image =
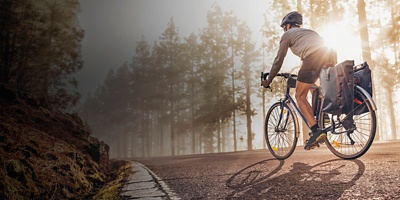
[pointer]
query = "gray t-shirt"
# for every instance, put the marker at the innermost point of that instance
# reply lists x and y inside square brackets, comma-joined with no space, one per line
[302,42]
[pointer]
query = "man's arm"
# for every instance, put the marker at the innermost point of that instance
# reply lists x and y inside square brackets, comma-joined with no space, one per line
[277,65]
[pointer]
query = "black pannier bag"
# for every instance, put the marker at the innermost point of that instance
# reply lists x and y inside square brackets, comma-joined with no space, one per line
[363,79]
[337,88]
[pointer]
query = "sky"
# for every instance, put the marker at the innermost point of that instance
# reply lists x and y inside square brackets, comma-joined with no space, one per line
[112,28]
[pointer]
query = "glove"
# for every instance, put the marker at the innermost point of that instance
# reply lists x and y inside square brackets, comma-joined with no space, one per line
[265,83]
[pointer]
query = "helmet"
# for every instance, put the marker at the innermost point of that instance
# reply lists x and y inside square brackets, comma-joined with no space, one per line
[292,18]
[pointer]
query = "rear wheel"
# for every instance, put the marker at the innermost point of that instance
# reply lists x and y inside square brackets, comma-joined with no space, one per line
[352,138]
[280,131]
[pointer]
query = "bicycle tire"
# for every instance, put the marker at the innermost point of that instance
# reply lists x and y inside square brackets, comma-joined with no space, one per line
[280,143]
[363,135]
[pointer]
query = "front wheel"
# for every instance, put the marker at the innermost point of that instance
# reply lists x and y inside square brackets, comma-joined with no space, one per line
[280,131]
[352,141]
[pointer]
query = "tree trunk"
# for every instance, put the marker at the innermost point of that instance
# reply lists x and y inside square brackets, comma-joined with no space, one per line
[263,99]
[391,113]
[5,44]
[233,93]
[150,135]
[193,131]
[363,26]
[299,6]
[200,141]
[161,138]
[219,110]
[234,111]
[312,13]
[143,134]
[248,112]
[263,119]
[223,131]
[172,121]
[366,48]
[395,30]
[219,135]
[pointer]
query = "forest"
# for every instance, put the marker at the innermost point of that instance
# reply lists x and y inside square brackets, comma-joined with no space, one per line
[196,93]
[40,45]
[200,93]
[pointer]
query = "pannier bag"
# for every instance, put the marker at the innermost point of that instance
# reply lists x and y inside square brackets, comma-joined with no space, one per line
[337,88]
[363,79]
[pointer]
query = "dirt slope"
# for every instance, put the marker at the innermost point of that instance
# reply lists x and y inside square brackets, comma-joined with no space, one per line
[46,154]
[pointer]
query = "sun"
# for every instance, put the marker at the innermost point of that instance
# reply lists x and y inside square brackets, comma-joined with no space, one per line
[344,39]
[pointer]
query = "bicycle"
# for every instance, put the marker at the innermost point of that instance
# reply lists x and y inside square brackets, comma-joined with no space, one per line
[349,136]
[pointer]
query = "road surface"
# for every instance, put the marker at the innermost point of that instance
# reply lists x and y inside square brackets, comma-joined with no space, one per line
[315,174]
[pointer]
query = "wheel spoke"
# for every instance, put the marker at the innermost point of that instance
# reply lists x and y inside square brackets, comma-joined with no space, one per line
[280,139]
[365,126]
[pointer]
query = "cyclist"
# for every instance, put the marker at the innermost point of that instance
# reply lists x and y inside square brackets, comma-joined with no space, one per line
[309,46]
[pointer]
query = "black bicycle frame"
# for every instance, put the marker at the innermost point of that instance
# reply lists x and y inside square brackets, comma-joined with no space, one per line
[290,100]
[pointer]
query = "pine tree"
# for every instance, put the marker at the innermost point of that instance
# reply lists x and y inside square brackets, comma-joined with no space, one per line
[249,56]
[40,42]
[141,91]
[169,50]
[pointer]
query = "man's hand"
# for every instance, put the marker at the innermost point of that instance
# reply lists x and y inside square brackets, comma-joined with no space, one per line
[265,83]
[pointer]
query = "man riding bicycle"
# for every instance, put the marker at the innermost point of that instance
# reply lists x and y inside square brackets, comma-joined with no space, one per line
[309,46]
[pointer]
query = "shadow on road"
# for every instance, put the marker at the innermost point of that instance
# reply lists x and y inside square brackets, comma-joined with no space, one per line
[326,180]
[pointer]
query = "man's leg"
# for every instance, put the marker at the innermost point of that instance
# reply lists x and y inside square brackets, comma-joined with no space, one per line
[305,107]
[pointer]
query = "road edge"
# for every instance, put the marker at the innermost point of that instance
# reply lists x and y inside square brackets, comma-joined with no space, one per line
[144,175]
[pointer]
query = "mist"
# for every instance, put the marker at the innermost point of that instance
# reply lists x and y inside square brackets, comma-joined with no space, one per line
[118,35]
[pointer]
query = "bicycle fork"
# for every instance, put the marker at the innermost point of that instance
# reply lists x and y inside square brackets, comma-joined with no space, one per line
[285,120]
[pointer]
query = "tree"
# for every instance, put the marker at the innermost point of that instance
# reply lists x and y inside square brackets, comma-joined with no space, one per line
[248,56]
[363,27]
[215,69]
[141,91]
[40,44]
[108,110]
[386,40]
[193,55]
[231,23]
[169,50]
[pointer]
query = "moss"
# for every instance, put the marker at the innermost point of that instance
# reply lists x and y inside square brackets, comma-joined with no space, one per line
[19,175]
[11,189]
[81,180]
[47,160]
[111,190]
[95,177]
[79,160]
[14,168]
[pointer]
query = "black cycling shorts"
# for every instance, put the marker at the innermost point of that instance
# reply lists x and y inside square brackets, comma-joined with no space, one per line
[312,65]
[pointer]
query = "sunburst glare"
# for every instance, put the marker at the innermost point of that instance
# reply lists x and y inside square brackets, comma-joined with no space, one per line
[344,39]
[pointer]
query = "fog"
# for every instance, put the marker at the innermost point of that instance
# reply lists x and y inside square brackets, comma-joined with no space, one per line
[114,28]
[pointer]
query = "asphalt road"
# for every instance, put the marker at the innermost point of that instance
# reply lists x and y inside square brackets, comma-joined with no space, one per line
[315,174]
